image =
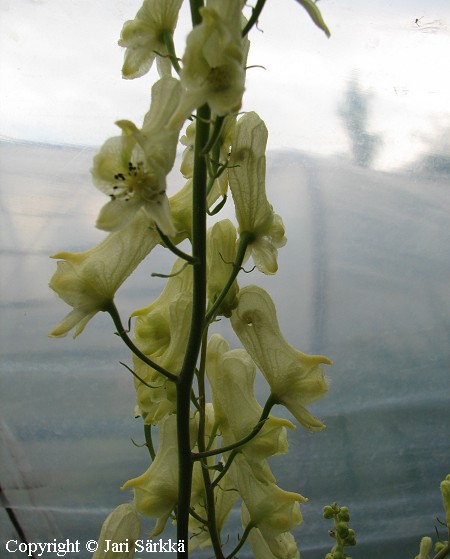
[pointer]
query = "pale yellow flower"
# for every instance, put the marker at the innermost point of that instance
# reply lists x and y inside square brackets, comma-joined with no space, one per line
[247,176]
[270,509]
[132,168]
[88,281]
[143,37]
[161,333]
[213,63]
[122,527]
[296,379]
[286,546]
[231,374]
[221,254]
[156,490]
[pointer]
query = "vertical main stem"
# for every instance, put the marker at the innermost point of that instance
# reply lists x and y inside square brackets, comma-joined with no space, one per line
[184,385]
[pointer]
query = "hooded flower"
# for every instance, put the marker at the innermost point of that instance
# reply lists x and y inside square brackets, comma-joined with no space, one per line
[132,168]
[221,254]
[247,176]
[232,375]
[161,333]
[285,542]
[144,37]
[270,509]
[88,280]
[122,526]
[296,379]
[213,63]
[156,490]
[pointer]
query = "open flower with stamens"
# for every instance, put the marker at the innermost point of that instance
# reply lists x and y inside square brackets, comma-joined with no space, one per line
[296,379]
[247,178]
[213,63]
[88,280]
[144,37]
[132,168]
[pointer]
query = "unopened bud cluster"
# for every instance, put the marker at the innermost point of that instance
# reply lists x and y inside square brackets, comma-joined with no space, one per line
[341,532]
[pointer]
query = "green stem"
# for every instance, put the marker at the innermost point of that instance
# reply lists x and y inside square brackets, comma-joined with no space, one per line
[149,440]
[184,385]
[444,551]
[245,240]
[271,401]
[168,41]
[215,135]
[112,310]
[165,239]
[137,376]
[195,11]
[209,490]
[226,467]
[241,541]
[256,12]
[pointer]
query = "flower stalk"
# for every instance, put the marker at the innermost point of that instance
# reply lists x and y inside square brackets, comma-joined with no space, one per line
[210,457]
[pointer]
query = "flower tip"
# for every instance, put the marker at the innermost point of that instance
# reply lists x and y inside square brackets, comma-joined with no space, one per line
[55,333]
[128,127]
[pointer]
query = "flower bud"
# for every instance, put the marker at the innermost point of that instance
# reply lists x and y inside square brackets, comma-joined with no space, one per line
[445,491]
[425,548]
[342,529]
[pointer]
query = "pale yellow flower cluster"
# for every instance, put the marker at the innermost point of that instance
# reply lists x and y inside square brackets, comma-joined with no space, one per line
[132,169]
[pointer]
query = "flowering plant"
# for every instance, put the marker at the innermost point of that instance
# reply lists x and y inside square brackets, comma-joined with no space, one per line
[214,456]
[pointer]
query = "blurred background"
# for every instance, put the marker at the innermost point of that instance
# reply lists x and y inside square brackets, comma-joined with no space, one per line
[358,167]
